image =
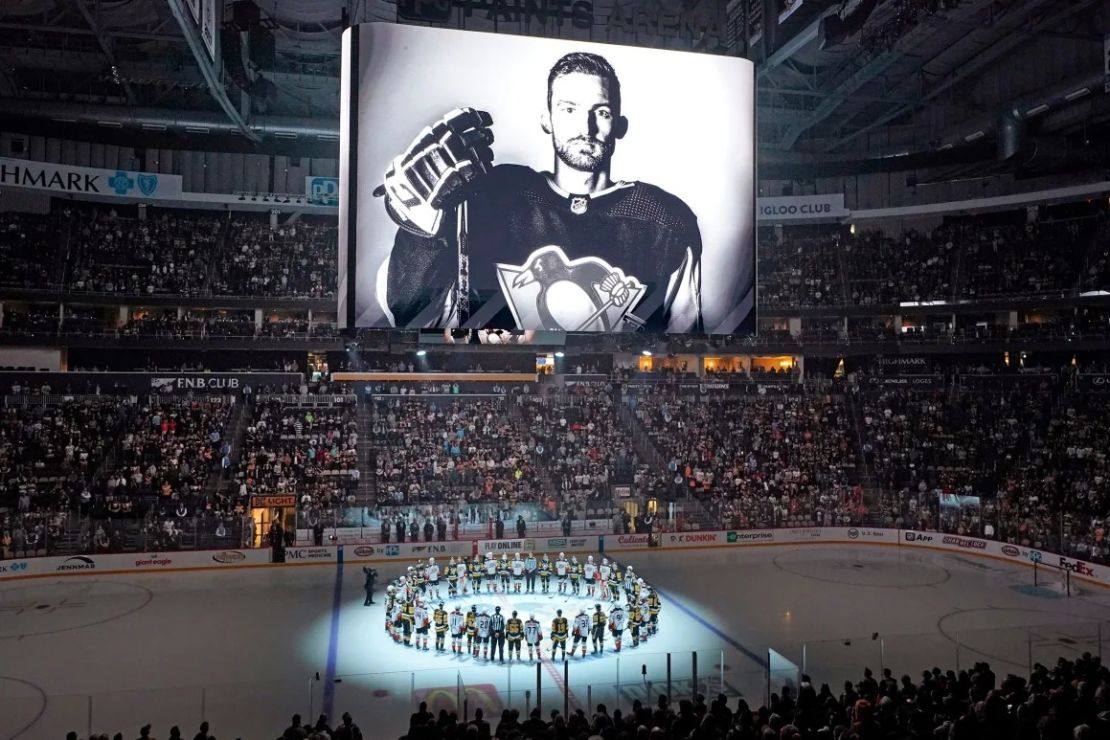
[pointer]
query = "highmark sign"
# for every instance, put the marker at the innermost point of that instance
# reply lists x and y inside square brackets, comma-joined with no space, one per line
[67,179]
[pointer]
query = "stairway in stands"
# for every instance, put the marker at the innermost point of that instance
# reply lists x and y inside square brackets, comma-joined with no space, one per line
[241,414]
[865,474]
[694,514]
[516,410]
[367,493]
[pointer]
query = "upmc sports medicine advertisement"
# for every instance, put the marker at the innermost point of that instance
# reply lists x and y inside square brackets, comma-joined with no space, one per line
[490,180]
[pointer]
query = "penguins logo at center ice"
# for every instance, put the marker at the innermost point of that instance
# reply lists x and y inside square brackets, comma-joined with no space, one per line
[557,293]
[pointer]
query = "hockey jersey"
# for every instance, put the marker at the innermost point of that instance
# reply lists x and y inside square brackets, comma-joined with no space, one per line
[456,621]
[420,617]
[639,229]
[532,633]
[582,625]
[483,625]
[432,571]
[560,568]
[618,620]
[518,568]
[491,567]
[589,569]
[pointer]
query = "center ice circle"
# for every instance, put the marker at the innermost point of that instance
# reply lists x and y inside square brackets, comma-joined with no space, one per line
[515,612]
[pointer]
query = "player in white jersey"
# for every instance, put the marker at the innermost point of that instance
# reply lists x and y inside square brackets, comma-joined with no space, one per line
[589,573]
[618,622]
[421,622]
[456,623]
[581,632]
[432,574]
[464,578]
[518,573]
[483,634]
[532,635]
[491,574]
[603,584]
[561,568]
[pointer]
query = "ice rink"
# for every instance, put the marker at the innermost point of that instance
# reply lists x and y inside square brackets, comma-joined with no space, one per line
[245,650]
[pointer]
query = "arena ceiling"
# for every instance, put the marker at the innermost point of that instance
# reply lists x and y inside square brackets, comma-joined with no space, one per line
[923,78]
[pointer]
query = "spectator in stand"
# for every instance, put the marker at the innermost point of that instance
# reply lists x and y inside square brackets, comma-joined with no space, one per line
[296,260]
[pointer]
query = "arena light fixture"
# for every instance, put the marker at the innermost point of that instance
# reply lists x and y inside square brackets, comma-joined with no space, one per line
[645,352]
[1037,111]
[560,354]
[421,352]
[975,136]
[1077,94]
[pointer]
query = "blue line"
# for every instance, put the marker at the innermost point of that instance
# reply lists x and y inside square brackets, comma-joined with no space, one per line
[754,657]
[333,638]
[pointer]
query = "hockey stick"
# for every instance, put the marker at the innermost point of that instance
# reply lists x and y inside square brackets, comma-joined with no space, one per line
[462,282]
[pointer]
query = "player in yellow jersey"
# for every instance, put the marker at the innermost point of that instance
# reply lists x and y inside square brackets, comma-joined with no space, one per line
[545,574]
[471,630]
[514,634]
[559,628]
[599,621]
[635,621]
[439,618]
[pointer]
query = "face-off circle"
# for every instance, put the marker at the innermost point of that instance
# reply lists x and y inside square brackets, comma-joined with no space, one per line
[523,604]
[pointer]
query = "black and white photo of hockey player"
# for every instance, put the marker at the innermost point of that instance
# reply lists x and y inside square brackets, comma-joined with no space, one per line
[574,249]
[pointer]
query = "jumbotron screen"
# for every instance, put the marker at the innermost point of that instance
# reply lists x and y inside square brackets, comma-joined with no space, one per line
[497,181]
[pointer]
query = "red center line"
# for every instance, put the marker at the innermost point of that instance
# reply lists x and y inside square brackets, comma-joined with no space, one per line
[548,664]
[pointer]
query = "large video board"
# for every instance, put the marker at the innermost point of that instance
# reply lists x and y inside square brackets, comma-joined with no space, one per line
[512,182]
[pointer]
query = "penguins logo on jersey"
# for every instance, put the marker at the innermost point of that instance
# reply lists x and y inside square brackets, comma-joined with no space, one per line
[552,292]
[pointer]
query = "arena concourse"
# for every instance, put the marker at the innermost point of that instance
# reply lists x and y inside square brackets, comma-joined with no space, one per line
[239,499]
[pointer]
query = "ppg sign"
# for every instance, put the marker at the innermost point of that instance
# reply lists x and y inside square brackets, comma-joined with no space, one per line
[323,190]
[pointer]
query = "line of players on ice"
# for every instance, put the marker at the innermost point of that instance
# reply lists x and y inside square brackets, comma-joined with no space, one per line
[409,620]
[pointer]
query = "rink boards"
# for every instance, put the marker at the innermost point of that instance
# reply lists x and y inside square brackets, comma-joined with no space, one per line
[235,559]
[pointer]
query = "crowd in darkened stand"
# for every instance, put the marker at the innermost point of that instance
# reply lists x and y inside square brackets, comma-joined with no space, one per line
[453,450]
[760,461]
[1068,700]
[191,253]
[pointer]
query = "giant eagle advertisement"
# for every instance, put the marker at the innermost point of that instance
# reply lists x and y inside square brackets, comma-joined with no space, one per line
[497,181]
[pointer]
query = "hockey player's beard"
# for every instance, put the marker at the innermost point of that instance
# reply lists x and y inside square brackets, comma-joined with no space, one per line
[584,154]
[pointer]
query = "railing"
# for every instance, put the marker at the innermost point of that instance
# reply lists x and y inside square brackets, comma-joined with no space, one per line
[364,524]
[32,535]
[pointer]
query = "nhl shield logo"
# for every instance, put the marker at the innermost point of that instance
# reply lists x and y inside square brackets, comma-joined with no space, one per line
[148,184]
[552,292]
